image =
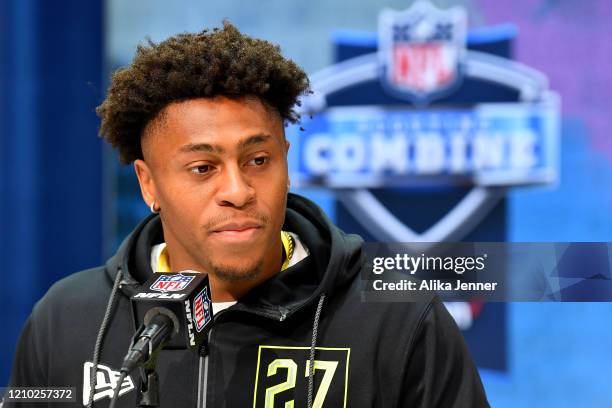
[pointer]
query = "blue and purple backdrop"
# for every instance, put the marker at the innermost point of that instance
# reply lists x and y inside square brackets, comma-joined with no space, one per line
[65,203]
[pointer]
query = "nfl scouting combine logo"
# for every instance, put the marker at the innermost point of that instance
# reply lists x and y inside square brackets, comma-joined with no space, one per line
[171,282]
[201,308]
[426,107]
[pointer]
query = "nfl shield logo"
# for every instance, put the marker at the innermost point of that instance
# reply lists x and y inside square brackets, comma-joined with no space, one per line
[421,51]
[171,282]
[201,308]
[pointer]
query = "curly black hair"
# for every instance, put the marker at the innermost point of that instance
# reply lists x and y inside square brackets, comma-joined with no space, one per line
[195,65]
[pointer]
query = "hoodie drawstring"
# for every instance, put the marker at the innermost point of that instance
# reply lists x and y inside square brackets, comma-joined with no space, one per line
[313,345]
[96,356]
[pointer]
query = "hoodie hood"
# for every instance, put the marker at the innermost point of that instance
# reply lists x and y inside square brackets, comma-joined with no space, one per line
[334,259]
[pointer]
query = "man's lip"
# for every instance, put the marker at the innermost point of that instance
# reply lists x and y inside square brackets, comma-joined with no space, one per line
[237,232]
[237,226]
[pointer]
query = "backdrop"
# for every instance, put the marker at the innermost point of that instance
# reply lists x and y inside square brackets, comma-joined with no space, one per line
[65,203]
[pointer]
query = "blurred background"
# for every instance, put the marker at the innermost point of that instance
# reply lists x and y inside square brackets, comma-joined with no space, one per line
[66,203]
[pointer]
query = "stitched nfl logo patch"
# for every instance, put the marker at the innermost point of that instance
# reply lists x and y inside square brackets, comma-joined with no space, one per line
[171,282]
[201,308]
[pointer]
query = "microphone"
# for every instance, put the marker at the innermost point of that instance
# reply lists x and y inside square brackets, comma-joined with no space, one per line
[174,312]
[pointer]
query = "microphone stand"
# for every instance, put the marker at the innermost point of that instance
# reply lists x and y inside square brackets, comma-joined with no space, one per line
[146,343]
[149,384]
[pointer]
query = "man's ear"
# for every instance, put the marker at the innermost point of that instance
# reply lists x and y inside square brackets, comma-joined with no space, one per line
[145,180]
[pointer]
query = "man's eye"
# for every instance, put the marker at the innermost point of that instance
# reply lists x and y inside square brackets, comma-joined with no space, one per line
[203,169]
[259,161]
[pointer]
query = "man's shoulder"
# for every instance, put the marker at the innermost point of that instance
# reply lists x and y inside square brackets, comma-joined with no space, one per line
[81,291]
[86,282]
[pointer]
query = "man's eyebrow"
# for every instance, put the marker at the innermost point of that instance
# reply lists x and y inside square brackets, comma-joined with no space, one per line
[209,148]
[200,147]
[253,140]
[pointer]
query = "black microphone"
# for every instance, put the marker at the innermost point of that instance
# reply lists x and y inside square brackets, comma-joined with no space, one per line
[174,311]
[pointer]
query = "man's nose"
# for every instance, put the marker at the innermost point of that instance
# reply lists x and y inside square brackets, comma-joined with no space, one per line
[235,189]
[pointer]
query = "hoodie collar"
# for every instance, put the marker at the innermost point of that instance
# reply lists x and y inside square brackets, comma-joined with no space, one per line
[133,250]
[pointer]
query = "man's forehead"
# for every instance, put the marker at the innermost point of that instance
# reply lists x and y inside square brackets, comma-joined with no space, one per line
[213,124]
[241,144]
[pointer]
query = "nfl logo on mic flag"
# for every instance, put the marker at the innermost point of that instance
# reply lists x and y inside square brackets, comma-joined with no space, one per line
[171,283]
[201,308]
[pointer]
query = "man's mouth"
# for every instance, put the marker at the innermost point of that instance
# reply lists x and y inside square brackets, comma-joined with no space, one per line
[237,231]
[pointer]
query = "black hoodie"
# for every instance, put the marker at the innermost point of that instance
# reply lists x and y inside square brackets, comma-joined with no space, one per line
[261,350]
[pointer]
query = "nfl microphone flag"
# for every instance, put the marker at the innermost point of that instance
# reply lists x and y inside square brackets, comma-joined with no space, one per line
[187,296]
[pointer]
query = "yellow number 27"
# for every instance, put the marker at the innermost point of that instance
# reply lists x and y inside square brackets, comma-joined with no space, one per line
[328,366]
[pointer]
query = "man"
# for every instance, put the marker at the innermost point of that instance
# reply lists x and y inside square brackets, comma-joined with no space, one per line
[202,118]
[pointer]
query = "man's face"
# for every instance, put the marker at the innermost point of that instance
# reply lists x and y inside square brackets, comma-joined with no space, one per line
[217,168]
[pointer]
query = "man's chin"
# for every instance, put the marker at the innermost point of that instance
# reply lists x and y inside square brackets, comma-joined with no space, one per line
[237,273]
